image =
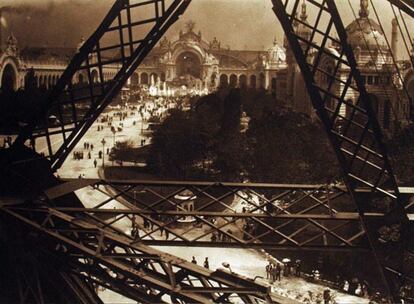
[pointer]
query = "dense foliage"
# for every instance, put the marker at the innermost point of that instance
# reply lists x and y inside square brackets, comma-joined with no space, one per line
[279,146]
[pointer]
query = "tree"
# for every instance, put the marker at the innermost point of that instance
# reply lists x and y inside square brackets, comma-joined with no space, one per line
[178,144]
[286,147]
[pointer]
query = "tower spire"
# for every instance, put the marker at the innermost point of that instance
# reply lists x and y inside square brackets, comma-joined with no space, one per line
[364,11]
[304,15]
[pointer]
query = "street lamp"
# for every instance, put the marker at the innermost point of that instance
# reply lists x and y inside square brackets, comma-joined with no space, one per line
[103,142]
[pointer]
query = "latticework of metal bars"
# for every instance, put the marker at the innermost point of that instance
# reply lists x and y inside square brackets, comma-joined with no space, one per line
[106,258]
[306,217]
[121,43]
[356,136]
[127,34]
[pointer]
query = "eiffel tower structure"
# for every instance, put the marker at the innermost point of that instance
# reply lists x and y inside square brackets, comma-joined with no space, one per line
[56,250]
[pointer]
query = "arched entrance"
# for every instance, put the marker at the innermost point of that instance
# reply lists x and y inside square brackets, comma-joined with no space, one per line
[94,76]
[144,78]
[134,80]
[233,80]
[213,79]
[243,81]
[224,80]
[9,78]
[253,81]
[188,63]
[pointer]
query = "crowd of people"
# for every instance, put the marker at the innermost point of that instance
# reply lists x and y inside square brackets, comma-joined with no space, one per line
[274,270]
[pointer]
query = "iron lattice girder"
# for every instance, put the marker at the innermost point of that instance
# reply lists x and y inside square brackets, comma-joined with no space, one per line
[356,136]
[131,268]
[126,35]
[407,6]
[308,217]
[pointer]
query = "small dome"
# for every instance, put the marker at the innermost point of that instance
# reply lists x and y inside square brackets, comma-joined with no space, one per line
[276,53]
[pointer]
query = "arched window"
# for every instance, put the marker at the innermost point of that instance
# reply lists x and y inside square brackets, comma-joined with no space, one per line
[134,80]
[50,82]
[243,81]
[144,78]
[213,79]
[253,81]
[162,77]
[9,78]
[94,76]
[154,78]
[81,78]
[42,81]
[233,80]
[224,80]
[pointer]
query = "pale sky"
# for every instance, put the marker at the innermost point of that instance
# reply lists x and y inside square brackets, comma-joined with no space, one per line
[241,24]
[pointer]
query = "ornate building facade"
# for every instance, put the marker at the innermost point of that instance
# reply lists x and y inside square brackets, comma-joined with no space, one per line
[188,61]
[191,63]
[201,65]
[389,95]
[46,65]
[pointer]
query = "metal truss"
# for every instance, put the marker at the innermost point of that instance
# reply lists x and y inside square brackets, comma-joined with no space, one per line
[96,242]
[356,136]
[406,6]
[303,217]
[127,34]
[108,258]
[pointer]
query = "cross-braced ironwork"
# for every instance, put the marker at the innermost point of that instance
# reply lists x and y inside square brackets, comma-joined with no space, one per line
[356,136]
[107,247]
[306,217]
[127,34]
[107,258]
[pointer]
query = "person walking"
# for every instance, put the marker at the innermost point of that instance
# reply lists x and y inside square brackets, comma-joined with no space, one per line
[194,261]
[326,296]
[95,163]
[278,271]
[298,268]
[206,263]
[268,270]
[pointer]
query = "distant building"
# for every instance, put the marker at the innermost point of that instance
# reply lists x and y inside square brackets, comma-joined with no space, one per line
[46,65]
[188,61]
[375,62]
[190,64]
[199,65]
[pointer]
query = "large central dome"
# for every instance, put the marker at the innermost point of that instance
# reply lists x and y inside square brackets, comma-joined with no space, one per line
[364,32]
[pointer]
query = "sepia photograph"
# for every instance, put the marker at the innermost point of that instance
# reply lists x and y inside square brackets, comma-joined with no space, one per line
[206,151]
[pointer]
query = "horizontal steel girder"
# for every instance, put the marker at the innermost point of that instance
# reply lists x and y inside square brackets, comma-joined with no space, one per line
[133,269]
